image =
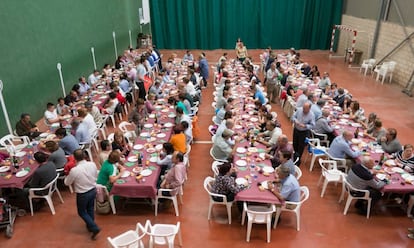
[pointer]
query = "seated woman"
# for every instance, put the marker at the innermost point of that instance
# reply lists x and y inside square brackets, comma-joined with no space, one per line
[57,155]
[165,158]
[138,115]
[405,158]
[120,144]
[111,105]
[355,112]
[377,131]
[178,139]
[175,177]
[225,183]
[149,103]
[111,170]
[370,122]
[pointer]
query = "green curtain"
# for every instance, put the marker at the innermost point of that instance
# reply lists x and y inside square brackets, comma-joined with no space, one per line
[212,24]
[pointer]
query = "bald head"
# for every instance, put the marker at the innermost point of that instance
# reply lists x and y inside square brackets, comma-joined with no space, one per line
[282,140]
[367,162]
[347,135]
[306,107]
[326,112]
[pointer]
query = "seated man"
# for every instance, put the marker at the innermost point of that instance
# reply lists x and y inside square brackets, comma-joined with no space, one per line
[81,131]
[67,141]
[221,147]
[376,132]
[360,177]
[51,115]
[93,78]
[389,142]
[341,148]
[282,145]
[25,127]
[83,86]
[322,126]
[271,135]
[285,158]
[290,190]
[44,174]
[71,98]
[258,94]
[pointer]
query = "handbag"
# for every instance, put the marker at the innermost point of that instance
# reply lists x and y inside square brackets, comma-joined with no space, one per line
[103,207]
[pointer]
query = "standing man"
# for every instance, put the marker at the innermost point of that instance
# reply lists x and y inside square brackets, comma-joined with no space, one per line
[83,178]
[141,72]
[203,65]
[303,120]
[271,82]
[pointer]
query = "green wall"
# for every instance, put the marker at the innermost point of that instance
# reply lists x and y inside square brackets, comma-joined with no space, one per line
[36,35]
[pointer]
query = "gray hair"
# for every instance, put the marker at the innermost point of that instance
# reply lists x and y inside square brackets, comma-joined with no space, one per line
[284,170]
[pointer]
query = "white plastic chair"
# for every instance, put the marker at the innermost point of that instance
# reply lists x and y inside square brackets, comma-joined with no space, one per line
[208,181]
[50,187]
[108,196]
[330,173]
[294,207]
[351,190]
[110,137]
[340,162]
[214,167]
[163,234]
[298,172]
[367,64]
[315,148]
[173,198]
[384,70]
[324,141]
[129,239]
[258,214]
[9,141]
[216,159]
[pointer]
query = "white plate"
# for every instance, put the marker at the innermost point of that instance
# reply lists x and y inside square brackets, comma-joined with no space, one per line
[145,135]
[246,116]
[254,119]
[138,147]
[103,97]
[405,176]
[101,87]
[238,127]
[397,169]
[126,174]
[158,147]
[343,120]
[161,135]
[241,163]
[379,150]
[133,159]
[345,116]
[171,115]
[390,162]
[241,181]
[20,154]
[264,185]
[165,110]
[356,125]
[151,150]
[43,135]
[252,149]
[151,116]
[55,125]
[355,141]
[146,172]
[4,168]
[240,150]
[22,173]
[97,102]
[381,176]
[268,169]
[337,127]
[153,159]
[168,124]
[137,170]
[148,125]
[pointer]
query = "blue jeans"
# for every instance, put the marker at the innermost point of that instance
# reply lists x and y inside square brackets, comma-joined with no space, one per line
[85,202]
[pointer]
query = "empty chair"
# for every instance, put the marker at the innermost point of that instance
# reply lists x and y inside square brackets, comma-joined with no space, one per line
[129,239]
[329,173]
[129,134]
[259,214]
[294,207]
[355,194]
[385,70]
[163,234]
[14,143]
[208,181]
[315,148]
[110,198]
[367,64]
[323,138]
[50,187]
[340,162]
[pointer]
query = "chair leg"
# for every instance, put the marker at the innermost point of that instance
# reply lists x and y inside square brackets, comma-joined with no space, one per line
[209,210]
[31,205]
[112,202]
[249,229]
[297,221]
[60,196]
[312,162]
[268,230]
[368,207]
[229,213]
[50,202]
[278,212]
[410,205]
[325,184]
[243,217]
[348,203]
[156,206]
[175,206]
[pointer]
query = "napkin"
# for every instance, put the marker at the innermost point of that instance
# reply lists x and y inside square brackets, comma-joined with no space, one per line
[135,152]
[129,164]
[153,168]
[242,168]
[120,181]
[27,169]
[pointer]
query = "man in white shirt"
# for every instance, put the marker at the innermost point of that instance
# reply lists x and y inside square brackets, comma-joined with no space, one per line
[88,120]
[271,81]
[82,134]
[51,115]
[83,179]
[271,135]
[141,72]
[83,86]
[93,78]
